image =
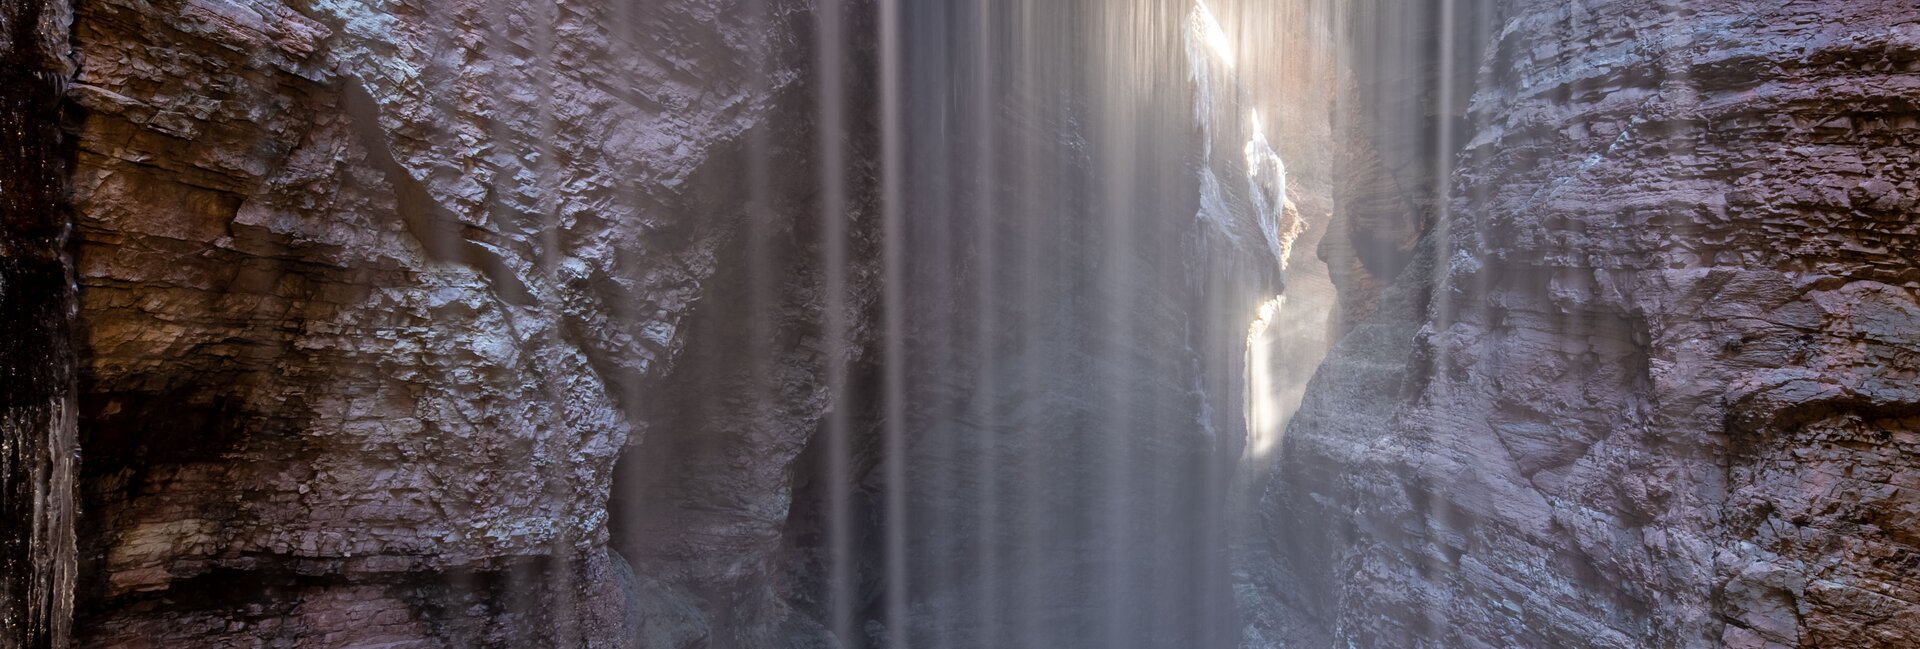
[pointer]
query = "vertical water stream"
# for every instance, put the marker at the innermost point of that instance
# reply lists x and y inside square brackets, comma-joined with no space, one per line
[1054,417]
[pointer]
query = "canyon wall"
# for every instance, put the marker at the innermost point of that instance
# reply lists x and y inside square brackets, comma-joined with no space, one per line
[37,426]
[1648,378]
[375,295]
[658,324]
[782,323]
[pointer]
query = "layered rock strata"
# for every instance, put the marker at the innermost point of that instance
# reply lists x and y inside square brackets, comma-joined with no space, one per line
[373,297]
[1655,386]
[480,324]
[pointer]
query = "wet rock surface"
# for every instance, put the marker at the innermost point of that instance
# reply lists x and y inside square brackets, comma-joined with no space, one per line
[1655,388]
[425,324]
[479,324]
[372,300]
[37,430]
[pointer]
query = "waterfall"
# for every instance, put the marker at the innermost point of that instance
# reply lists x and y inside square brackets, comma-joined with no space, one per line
[1219,98]
[902,324]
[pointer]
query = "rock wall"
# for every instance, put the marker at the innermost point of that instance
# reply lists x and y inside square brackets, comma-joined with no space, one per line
[696,323]
[37,427]
[1649,383]
[374,296]
[456,323]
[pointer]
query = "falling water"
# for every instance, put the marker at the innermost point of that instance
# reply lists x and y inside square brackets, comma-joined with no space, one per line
[832,119]
[973,353]
[1076,220]
[954,324]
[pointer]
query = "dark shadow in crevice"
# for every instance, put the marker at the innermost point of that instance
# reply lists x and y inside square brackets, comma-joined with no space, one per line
[441,235]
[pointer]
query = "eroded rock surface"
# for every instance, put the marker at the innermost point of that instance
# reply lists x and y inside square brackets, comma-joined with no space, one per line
[372,297]
[37,425]
[1656,388]
[376,297]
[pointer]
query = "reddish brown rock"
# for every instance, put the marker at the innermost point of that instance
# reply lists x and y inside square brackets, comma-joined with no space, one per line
[377,295]
[372,300]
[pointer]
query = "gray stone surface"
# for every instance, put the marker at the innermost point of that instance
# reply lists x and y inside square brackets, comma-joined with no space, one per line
[1660,394]
[373,295]
[399,317]
[455,323]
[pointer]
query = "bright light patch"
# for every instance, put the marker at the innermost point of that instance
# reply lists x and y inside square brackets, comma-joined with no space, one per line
[1264,413]
[1210,31]
[1268,309]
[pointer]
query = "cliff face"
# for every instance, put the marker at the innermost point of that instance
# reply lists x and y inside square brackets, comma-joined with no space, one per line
[524,324]
[372,300]
[750,323]
[1650,380]
[37,431]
